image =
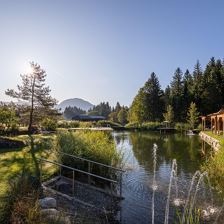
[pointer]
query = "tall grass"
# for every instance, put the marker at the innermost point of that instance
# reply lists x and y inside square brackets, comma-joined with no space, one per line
[93,145]
[20,204]
[215,164]
[193,218]
[150,126]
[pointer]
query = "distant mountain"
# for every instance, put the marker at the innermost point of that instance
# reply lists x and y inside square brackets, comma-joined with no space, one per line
[75,102]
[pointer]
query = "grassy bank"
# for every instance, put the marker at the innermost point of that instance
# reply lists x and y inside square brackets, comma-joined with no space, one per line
[15,161]
[215,163]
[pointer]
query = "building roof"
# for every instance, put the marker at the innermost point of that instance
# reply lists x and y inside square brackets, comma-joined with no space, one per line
[221,111]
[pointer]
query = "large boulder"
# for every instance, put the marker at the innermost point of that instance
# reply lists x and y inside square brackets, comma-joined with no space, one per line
[48,203]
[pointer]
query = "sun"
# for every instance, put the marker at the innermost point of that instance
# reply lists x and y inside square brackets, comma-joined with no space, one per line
[28,68]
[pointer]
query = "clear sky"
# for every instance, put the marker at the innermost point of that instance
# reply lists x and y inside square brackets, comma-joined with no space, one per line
[105,50]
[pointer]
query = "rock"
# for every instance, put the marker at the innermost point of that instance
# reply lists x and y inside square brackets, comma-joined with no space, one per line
[49,212]
[64,187]
[53,215]
[48,202]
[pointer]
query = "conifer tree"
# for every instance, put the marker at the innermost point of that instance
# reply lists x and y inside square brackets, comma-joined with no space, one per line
[34,92]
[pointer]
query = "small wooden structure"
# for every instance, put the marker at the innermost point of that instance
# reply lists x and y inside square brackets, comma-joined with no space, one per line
[217,122]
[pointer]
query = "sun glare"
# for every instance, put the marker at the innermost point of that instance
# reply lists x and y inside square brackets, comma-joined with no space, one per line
[28,69]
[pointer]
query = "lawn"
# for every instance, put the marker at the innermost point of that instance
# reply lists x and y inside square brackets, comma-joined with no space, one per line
[215,164]
[220,138]
[14,161]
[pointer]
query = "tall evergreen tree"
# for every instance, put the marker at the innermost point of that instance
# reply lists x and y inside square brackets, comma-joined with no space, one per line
[148,105]
[177,94]
[153,102]
[197,88]
[187,92]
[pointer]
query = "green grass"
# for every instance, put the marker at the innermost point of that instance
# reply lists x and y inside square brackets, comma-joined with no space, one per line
[13,162]
[220,138]
[92,145]
[215,164]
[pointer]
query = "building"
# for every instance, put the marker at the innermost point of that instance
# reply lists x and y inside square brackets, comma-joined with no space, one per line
[83,117]
[216,121]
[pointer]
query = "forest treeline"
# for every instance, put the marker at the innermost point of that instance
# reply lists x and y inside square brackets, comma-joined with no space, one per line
[204,88]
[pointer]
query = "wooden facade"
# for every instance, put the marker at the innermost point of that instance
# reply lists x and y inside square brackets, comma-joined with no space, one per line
[216,122]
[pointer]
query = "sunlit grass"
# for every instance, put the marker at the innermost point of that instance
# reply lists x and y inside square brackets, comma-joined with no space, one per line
[215,164]
[14,161]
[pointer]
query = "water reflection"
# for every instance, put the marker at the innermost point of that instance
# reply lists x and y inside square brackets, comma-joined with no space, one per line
[138,148]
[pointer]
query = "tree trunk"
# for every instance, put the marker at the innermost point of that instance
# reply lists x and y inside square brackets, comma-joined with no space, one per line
[31,109]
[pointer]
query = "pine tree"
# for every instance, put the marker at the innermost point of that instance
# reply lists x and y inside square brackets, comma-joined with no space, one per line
[198,85]
[148,104]
[177,94]
[34,92]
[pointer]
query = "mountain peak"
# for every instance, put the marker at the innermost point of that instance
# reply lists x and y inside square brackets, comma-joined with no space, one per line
[75,102]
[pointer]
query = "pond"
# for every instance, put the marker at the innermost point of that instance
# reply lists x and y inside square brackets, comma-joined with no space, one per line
[137,147]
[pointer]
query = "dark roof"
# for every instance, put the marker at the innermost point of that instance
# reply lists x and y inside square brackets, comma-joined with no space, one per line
[88,117]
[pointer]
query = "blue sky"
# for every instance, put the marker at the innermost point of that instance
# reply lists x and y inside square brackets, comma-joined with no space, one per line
[105,50]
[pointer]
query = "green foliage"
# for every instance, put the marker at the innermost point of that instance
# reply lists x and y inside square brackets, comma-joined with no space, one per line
[147,104]
[169,115]
[103,109]
[98,146]
[35,93]
[194,218]
[119,115]
[122,116]
[70,112]
[8,118]
[192,115]
[179,126]
[68,124]
[150,126]
[215,164]
[133,125]
[49,124]
[204,88]
[106,123]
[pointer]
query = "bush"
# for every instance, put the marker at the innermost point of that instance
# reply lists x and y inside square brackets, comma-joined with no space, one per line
[182,126]
[133,125]
[49,124]
[107,123]
[152,126]
[68,124]
[20,205]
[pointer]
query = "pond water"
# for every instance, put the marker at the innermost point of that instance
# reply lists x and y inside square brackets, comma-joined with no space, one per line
[137,148]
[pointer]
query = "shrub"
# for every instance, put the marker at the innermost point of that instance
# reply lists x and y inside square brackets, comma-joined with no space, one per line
[68,124]
[151,125]
[133,125]
[20,206]
[107,123]
[182,126]
[49,124]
